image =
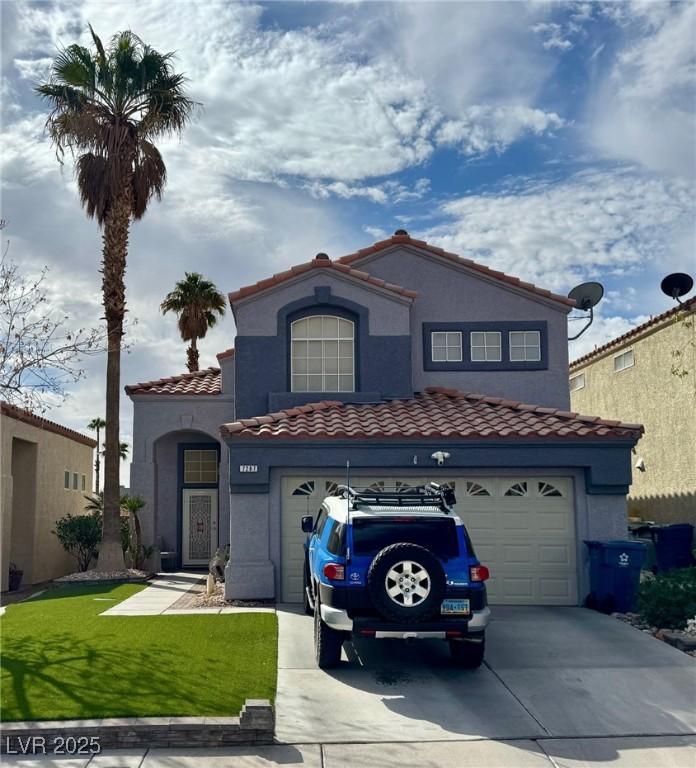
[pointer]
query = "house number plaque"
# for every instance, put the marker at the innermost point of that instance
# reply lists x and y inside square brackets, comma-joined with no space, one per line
[248,468]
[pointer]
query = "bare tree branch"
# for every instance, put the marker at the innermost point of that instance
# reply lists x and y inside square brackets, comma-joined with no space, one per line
[39,352]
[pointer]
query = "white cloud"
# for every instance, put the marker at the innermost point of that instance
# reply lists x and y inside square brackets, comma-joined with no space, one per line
[482,129]
[386,192]
[603,329]
[554,36]
[595,222]
[645,110]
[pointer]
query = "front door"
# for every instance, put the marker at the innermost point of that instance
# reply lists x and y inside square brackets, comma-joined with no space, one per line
[199,536]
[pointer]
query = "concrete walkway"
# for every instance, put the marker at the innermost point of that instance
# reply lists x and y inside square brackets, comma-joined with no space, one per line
[630,752]
[164,591]
[160,594]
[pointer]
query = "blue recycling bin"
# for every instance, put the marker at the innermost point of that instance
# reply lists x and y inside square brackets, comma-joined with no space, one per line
[614,574]
[673,544]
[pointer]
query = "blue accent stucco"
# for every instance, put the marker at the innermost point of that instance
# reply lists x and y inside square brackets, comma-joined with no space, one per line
[607,465]
[505,364]
[262,363]
[181,485]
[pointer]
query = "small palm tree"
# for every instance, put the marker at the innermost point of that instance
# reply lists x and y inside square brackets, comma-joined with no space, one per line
[97,424]
[133,505]
[196,302]
[108,107]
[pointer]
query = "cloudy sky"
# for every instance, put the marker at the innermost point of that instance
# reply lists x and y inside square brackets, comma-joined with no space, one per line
[553,141]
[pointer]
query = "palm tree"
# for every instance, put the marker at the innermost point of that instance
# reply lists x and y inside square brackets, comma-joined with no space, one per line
[122,451]
[108,106]
[195,300]
[97,424]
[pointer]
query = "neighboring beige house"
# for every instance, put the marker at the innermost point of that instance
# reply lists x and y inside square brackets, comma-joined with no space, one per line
[45,469]
[648,375]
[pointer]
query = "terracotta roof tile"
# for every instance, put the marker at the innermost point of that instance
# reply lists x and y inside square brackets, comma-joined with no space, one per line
[437,412]
[27,417]
[688,307]
[205,382]
[225,353]
[497,275]
[281,277]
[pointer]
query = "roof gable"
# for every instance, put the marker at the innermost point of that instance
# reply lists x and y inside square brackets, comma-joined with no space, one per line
[342,270]
[401,238]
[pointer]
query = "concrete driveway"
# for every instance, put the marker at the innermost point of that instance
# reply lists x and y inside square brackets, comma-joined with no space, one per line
[550,673]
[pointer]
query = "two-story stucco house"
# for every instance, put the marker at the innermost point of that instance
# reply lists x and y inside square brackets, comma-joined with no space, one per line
[381,359]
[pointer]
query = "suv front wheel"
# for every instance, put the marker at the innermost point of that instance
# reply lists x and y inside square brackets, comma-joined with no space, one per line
[328,642]
[467,654]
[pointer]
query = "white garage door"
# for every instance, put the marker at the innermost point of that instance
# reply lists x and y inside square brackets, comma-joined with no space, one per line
[523,529]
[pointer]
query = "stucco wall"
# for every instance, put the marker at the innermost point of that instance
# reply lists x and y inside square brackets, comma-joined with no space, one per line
[258,316]
[160,423]
[448,294]
[38,498]
[648,393]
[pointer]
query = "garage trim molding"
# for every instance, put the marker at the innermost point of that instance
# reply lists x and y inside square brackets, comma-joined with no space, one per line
[606,464]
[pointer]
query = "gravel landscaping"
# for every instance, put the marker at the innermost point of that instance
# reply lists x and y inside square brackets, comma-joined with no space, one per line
[197,597]
[97,577]
[684,641]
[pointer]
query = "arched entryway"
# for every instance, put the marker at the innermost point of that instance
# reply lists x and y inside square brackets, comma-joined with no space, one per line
[190,519]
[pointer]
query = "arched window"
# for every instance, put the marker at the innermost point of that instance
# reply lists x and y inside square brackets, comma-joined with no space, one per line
[322,354]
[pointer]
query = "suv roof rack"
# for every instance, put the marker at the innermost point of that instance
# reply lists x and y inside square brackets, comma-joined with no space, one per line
[428,495]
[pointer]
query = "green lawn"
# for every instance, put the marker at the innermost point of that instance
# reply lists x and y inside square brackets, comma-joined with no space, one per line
[61,660]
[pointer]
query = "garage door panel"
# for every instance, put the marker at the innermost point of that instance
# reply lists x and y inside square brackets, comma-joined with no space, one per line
[527,539]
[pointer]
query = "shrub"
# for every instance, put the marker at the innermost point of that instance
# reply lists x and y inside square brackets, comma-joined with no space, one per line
[80,536]
[669,599]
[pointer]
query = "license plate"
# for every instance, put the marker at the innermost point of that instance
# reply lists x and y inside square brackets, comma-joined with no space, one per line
[458,607]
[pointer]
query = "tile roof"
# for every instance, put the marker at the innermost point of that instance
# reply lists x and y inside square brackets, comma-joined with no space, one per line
[688,306]
[225,353]
[13,412]
[406,239]
[323,263]
[205,382]
[437,412]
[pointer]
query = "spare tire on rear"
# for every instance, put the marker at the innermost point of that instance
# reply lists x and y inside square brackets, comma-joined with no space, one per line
[406,583]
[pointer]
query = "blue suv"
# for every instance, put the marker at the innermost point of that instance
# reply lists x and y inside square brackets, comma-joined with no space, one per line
[388,564]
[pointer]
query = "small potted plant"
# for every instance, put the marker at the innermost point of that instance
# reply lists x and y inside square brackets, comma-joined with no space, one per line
[15,577]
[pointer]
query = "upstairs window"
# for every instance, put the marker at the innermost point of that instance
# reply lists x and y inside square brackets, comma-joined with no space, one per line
[322,354]
[624,360]
[446,346]
[525,346]
[577,382]
[66,480]
[486,346]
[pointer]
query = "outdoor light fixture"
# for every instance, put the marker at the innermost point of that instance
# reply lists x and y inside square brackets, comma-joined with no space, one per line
[440,457]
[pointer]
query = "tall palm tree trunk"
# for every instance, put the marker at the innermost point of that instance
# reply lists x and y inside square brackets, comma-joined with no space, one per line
[192,356]
[97,462]
[115,241]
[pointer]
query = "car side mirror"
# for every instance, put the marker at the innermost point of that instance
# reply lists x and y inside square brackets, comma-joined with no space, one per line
[307,524]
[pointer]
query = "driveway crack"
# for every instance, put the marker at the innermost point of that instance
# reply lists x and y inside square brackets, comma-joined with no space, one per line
[518,700]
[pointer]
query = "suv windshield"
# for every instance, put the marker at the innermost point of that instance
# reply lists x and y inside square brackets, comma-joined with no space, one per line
[439,535]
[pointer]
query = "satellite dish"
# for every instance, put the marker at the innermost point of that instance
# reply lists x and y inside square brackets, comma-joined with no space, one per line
[587,295]
[677,284]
